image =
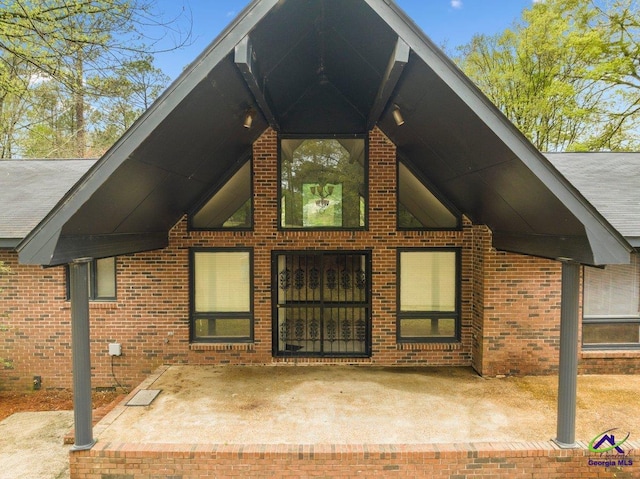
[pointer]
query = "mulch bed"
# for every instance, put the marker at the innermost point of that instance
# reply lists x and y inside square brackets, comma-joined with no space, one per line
[49,400]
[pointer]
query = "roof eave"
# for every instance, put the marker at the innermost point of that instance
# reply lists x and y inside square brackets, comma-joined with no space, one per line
[607,245]
[39,246]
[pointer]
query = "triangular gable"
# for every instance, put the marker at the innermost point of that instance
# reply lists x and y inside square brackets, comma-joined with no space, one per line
[418,202]
[287,61]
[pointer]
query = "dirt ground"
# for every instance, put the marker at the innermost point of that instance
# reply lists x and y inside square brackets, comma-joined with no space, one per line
[44,400]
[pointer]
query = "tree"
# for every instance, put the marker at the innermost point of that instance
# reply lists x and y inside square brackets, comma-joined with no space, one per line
[565,75]
[78,45]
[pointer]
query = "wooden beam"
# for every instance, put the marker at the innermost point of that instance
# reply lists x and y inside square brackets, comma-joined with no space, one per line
[399,58]
[246,62]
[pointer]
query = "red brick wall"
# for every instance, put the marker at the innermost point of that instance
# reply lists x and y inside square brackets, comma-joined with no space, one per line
[521,330]
[437,461]
[510,303]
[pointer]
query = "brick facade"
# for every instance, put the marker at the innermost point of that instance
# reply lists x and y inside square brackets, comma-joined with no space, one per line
[510,303]
[445,461]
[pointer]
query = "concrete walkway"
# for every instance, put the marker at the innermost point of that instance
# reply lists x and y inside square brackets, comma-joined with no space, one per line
[31,445]
[362,405]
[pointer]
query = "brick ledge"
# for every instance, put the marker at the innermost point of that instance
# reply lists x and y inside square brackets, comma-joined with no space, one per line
[221,347]
[611,353]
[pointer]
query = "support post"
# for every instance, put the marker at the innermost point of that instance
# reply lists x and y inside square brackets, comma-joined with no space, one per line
[568,369]
[79,289]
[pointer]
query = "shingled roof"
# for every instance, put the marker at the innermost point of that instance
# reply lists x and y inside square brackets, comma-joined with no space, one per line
[610,182]
[29,189]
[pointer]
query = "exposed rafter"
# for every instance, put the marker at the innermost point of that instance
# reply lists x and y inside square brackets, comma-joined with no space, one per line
[247,64]
[399,58]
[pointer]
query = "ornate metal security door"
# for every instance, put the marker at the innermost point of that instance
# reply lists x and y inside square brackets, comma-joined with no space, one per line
[322,304]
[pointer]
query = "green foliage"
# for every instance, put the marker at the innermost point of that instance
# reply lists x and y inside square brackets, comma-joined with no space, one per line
[74,74]
[566,75]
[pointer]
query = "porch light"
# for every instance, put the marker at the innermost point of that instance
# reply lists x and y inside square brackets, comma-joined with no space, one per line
[248,118]
[397,115]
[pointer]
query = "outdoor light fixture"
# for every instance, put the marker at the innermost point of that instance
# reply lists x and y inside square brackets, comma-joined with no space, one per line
[397,115]
[248,118]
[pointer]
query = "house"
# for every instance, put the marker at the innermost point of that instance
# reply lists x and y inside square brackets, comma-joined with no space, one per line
[321,185]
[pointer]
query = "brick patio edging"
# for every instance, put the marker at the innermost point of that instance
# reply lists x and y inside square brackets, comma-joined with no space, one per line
[450,461]
[500,460]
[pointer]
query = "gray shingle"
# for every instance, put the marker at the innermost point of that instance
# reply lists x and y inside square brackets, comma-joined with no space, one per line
[609,181]
[30,188]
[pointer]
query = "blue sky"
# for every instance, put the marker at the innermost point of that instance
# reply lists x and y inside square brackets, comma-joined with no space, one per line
[446,22]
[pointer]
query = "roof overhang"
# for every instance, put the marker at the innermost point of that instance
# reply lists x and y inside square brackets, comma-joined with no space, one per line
[9,243]
[322,67]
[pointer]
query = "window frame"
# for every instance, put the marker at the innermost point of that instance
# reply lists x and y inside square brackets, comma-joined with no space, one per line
[93,281]
[457,314]
[208,196]
[607,319]
[194,316]
[297,136]
[433,190]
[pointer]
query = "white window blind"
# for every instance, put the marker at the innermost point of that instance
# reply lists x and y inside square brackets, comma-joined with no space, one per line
[428,281]
[613,291]
[106,278]
[222,281]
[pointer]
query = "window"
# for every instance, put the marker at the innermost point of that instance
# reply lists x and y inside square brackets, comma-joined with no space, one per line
[611,306]
[323,183]
[418,207]
[102,280]
[221,299]
[429,295]
[229,207]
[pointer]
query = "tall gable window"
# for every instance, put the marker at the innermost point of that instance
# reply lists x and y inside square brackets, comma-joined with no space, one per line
[323,183]
[418,207]
[611,310]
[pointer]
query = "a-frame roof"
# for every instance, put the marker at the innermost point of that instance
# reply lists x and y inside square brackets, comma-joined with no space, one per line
[329,67]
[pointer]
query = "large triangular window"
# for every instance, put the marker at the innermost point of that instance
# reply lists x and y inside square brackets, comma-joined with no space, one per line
[230,207]
[418,207]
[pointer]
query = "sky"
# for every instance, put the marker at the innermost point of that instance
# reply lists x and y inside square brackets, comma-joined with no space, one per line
[447,22]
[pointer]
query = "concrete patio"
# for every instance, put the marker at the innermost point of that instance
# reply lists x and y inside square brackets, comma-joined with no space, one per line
[361,405]
[347,421]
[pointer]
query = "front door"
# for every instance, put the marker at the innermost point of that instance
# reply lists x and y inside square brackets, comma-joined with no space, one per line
[322,304]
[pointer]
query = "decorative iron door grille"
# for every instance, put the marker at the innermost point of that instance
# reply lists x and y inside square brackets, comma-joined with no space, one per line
[322,304]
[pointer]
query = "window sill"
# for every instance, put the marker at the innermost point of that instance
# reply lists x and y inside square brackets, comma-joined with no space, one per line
[429,346]
[610,353]
[222,347]
[95,304]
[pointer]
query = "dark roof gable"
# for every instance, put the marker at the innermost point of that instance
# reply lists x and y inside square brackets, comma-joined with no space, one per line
[322,66]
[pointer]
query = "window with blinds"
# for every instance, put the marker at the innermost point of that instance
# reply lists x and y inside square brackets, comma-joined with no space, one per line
[611,306]
[222,306]
[428,295]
